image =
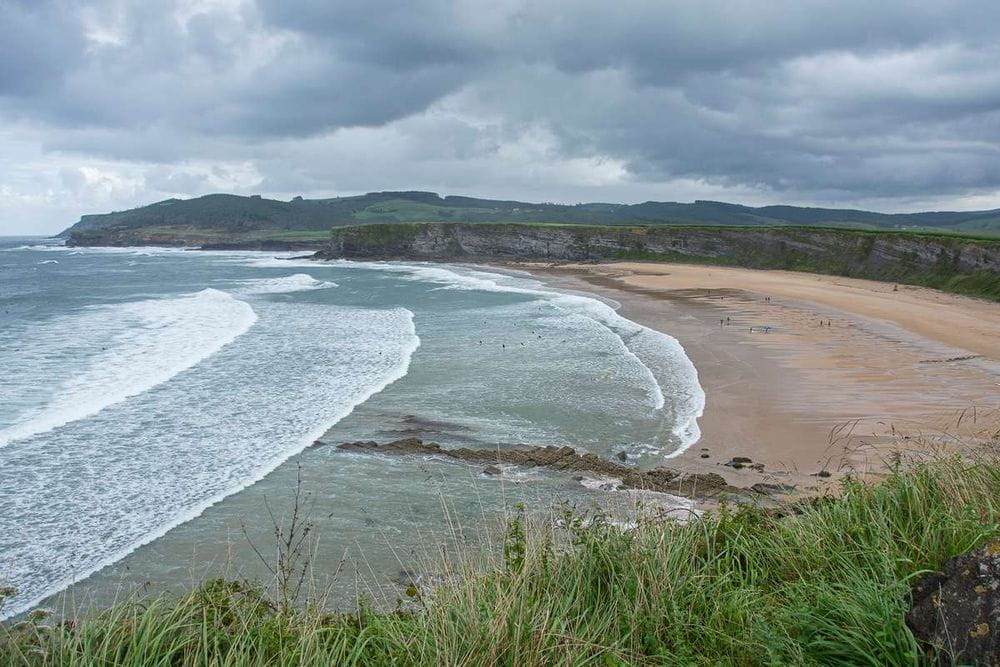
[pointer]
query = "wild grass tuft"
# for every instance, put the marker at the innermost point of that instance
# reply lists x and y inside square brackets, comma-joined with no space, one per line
[826,582]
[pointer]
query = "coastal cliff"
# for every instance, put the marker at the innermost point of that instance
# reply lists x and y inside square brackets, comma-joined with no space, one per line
[958,264]
[192,236]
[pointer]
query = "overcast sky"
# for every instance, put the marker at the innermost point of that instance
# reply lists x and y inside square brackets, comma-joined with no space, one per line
[110,104]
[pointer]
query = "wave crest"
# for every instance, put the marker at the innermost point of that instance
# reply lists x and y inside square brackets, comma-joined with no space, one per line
[132,348]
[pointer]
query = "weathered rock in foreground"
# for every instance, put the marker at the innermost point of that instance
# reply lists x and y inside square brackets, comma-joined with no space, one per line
[958,609]
[567,459]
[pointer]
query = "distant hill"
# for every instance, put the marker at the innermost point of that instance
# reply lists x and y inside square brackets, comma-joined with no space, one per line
[223,217]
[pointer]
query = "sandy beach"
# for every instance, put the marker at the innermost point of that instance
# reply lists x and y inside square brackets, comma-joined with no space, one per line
[813,376]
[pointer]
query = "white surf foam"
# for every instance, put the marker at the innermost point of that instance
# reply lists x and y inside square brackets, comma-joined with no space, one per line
[35,247]
[135,251]
[142,344]
[92,250]
[637,341]
[207,434]
[600,483]
[282,261]
[298,282]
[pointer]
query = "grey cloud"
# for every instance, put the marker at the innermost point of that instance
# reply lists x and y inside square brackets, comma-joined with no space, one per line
[879,123]
[658,41]
[165,180]
[38,43]
[402,35]
[799,100]
[72,178]
[317,95]
[206,76]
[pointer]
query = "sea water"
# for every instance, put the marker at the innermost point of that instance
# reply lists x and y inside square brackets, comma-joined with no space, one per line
[158,406]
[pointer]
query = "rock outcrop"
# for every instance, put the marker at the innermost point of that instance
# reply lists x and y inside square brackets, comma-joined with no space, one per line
[957,611]
[566,459]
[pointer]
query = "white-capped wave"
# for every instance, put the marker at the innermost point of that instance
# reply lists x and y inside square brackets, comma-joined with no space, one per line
[37,247]
[675,373]
[49,261]
[638,342]
[132,348]
[71,250]
[280,261]
[600,483]
[128,475]
[298,282]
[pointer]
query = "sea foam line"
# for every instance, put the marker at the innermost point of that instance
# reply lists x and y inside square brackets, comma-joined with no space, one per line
[588,306]
[398,372]
[158,338]
[685,429]
[298,282]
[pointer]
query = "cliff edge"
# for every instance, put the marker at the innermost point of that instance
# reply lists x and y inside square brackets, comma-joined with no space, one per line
[957,264]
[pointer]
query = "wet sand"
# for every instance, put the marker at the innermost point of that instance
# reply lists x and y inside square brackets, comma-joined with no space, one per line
[836,376]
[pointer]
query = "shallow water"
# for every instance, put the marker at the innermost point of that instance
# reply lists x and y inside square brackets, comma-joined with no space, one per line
[156,397]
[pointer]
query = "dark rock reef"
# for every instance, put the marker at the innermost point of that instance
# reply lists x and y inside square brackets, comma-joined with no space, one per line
[565,459]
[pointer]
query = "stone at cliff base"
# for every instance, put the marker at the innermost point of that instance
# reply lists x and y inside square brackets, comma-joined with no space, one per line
[958,610]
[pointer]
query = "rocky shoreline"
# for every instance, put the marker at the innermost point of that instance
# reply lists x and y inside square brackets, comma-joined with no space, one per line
[697,486]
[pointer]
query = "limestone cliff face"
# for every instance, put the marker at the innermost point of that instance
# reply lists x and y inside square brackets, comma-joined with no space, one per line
[961,264]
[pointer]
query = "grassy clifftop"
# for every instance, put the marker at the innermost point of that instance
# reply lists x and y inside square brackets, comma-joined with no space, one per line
[959,264]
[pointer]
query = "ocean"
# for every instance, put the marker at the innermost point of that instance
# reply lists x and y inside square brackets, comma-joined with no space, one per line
[156,404]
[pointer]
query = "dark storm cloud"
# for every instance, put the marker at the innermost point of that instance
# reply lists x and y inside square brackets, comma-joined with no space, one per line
[38,42]
[213,72]
[805,99]
[401,35]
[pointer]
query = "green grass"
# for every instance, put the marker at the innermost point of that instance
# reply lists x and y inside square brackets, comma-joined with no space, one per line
[191,235]
[403,210]
[737,587]
[307,235]
[949,235]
